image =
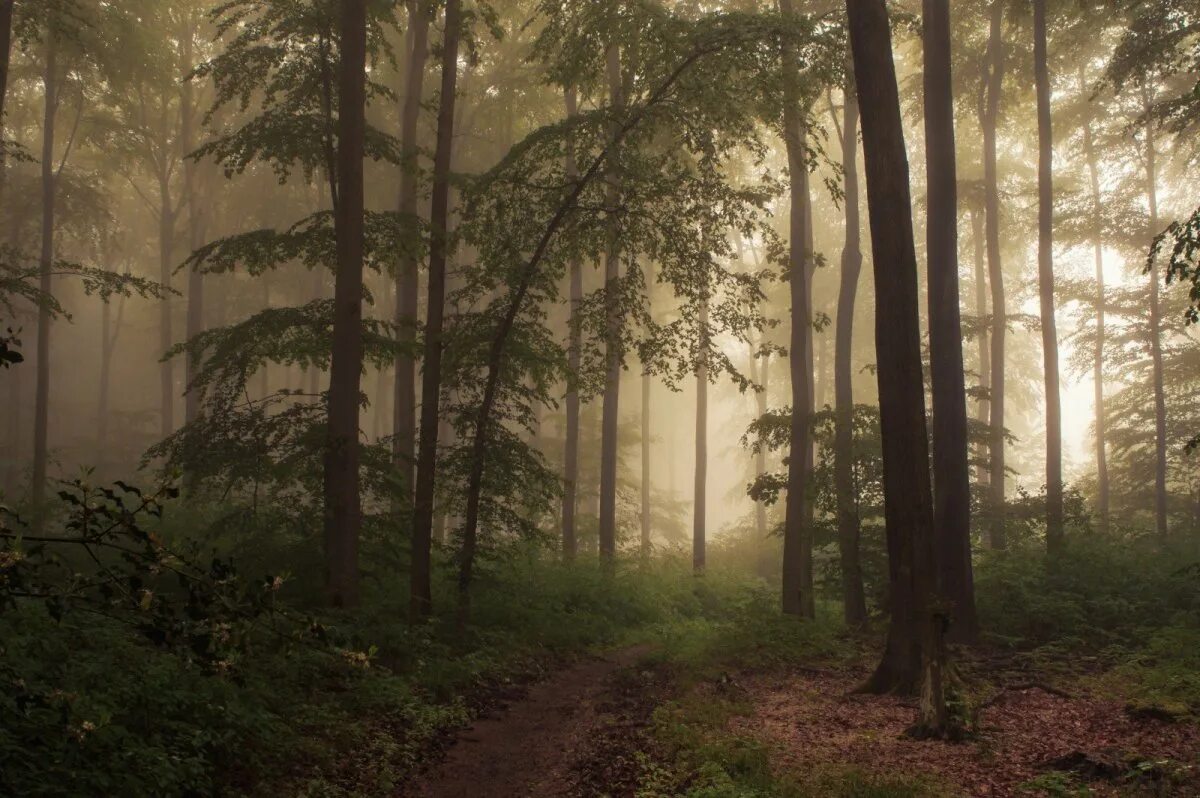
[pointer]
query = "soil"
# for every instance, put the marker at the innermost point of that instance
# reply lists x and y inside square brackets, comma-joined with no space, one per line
[572,734]
[586,731]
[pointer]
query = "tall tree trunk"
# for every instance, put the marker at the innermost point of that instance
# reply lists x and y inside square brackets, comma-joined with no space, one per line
[758,376]
[570,500]
[420,598]
[645,485]
[1054,478]
[797,569]
[1156,355]
[1102,486]
[195,289]
[914,654]
[343,511]
[108,345]
[613,354]
[166,242]
[854,602]
[41,417]
[991,188]
[951,472]
[981,312]
[404,408]
[700,488]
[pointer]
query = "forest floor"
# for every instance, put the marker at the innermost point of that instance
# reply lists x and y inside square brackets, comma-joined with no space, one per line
[629,724]
[539,740]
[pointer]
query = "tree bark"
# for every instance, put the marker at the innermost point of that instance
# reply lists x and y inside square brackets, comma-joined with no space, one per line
[797,569]
[613,354]
[1054,478]
[108,346]
[343,512]
[995,80]
[646,484]
[951,472]
[166,241]
[404,407]
[913,655]
[41,414]
[195,290]
[420,597]
[854,602]
[981,312]
[700,486]
[570,500]
[1156,354]
[1102,484]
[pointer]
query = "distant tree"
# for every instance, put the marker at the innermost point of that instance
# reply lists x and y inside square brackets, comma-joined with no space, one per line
[1054,479]
[404,411]
[849,526]
[431,385]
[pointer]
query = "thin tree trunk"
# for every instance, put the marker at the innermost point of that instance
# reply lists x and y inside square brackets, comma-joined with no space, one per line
[1054,478]
[343,511]
[613,354]
[1102,486]
[404,407]
[646,385]
[108,346]
[570,500]
[41,419]
[700,486]
[981,312]
[1156,355]
[854,602]
[195,290]
[797,600]
[166,240]
[951,472]
[758,375]
[102,398]
[914,654]
[420,597]
[995,80]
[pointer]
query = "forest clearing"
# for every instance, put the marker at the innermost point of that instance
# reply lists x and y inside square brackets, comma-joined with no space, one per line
[588,398]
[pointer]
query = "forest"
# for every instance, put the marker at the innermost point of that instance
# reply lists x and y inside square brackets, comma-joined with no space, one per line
[638,398]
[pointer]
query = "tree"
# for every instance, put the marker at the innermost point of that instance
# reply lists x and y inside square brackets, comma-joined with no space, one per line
[571,442]
[914,655]
[854,602]
[1097,231]
[989,118]
[404,411]
[798,596]
[700,493]
[41,422]
[431,384]
[613,344]
[343,508]
[1054,479]
[951,478]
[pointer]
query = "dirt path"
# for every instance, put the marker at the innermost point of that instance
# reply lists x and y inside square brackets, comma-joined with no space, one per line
[529,748]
